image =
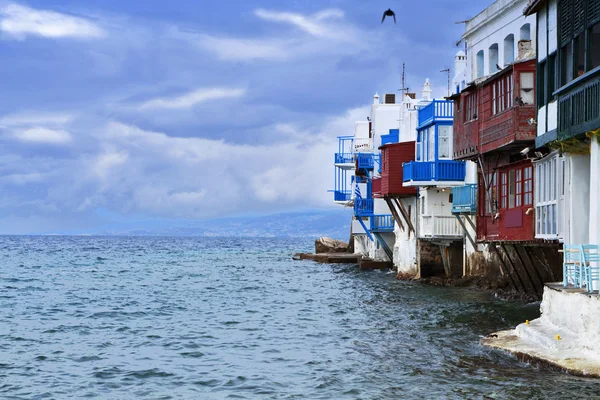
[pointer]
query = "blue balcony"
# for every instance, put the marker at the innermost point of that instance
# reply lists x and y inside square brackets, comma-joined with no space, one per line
[382,223]
[464,199]
[432,172]
[365,160]
[437,110]
[344,158]
[363,207]
[392,137]
[342,195]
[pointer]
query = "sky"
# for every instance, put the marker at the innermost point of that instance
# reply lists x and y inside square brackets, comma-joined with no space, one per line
[114,111]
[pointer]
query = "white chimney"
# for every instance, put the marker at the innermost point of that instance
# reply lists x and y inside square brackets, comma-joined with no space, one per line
[376,98]
[426,92]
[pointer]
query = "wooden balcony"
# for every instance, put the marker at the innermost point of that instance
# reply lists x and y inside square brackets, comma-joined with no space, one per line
[392,158]
[579,106]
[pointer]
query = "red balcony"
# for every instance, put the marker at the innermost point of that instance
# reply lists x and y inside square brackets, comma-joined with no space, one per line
[392,157]
[493,114]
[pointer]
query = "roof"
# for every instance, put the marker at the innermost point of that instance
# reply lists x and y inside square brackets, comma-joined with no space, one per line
[533,7]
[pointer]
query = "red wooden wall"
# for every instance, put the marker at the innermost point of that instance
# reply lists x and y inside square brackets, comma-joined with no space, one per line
[392,157]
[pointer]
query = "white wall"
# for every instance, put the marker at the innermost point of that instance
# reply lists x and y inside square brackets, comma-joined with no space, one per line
[492,26]
[361,129]
[435,201]
[405,247]
[594,221]
[577,198]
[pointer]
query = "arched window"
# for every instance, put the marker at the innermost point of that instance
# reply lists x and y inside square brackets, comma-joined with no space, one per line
[525,32]
[509,49]
[493,58]
[480,64]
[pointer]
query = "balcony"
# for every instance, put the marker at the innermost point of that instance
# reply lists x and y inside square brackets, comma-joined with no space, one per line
[446,227]
[342,196]
[430,173]
[579,106]
[365,160]
[392,137]
[344,158]
[363,207]
[382,223]
[464,199]
[435,111]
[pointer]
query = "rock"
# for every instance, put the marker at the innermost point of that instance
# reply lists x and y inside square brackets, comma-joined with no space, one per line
[328,245]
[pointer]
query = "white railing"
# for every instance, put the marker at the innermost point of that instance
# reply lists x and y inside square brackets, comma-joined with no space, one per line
[440,226]
[362,145]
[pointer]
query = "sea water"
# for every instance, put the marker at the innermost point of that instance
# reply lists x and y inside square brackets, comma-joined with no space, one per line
[236,318]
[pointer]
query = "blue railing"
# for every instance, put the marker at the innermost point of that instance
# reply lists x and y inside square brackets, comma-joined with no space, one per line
[392,137]
[363,207]
[435,110]
[464,199]
[382,223]
[342,195]
[441,170]
[366,160]
[344,158]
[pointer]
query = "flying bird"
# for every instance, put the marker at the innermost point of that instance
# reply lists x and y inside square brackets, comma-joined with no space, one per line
[388,13]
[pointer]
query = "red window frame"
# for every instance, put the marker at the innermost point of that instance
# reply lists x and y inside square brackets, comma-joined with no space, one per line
[517,182]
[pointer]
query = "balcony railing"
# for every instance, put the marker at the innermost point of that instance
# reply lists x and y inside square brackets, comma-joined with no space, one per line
[382,223]
[579,106]
[344,158]
[433,226]
[366,160]
[363,207]
[464,199]
[435,110]
[392,137]
[434,171]
[342,195]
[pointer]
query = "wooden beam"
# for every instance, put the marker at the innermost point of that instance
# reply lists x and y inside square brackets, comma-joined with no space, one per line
[394,212]
[503,267]
[467,234]
[406,215]
[528,265]
[517,272]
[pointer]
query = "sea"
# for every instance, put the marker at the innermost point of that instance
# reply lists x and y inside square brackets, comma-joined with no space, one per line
[237,318]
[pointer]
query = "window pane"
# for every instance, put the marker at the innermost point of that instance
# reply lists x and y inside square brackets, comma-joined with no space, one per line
[511,189]
[594,47]
[527,87]
[444,141]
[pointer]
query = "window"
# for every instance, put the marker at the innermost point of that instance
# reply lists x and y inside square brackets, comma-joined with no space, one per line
[511,189]
[516,187]
[578,35]
[470,107]
[479,64]
[503,191]
[489,207]
[509,49]
[431,144]
[420,146]
[526,92]
[525,32]
[502,94]
[549,197]
[493,58]
[444,141]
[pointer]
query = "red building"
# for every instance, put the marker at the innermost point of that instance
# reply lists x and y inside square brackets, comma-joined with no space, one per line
[492,127]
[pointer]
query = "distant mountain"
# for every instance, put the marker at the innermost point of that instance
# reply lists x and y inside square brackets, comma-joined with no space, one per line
[334,224]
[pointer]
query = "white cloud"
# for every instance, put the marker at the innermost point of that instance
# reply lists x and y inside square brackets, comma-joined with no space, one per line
[105,162]
[42,135]
[190,99]
[32,118]
[20,21]
[238,49]
[310,24]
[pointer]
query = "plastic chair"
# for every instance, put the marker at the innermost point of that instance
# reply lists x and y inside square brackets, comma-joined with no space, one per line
[591,255]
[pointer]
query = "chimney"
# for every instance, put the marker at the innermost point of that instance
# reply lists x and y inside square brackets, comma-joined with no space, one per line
[426,91]
[376,98]
[525,50]
[390,98]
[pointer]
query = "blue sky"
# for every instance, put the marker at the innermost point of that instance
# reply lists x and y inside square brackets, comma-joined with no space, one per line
[116,111]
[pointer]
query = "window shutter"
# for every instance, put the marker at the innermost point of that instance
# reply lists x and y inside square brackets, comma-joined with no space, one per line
[578,16]
[565,12]
[593,11]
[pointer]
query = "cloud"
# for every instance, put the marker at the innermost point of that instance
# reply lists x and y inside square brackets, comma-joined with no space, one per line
[191,99]
[310,24]
[20,21]
[42,135]
[24,119]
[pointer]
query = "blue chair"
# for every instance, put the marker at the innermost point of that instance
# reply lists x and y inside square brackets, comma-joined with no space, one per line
[591,257]
[573,265]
